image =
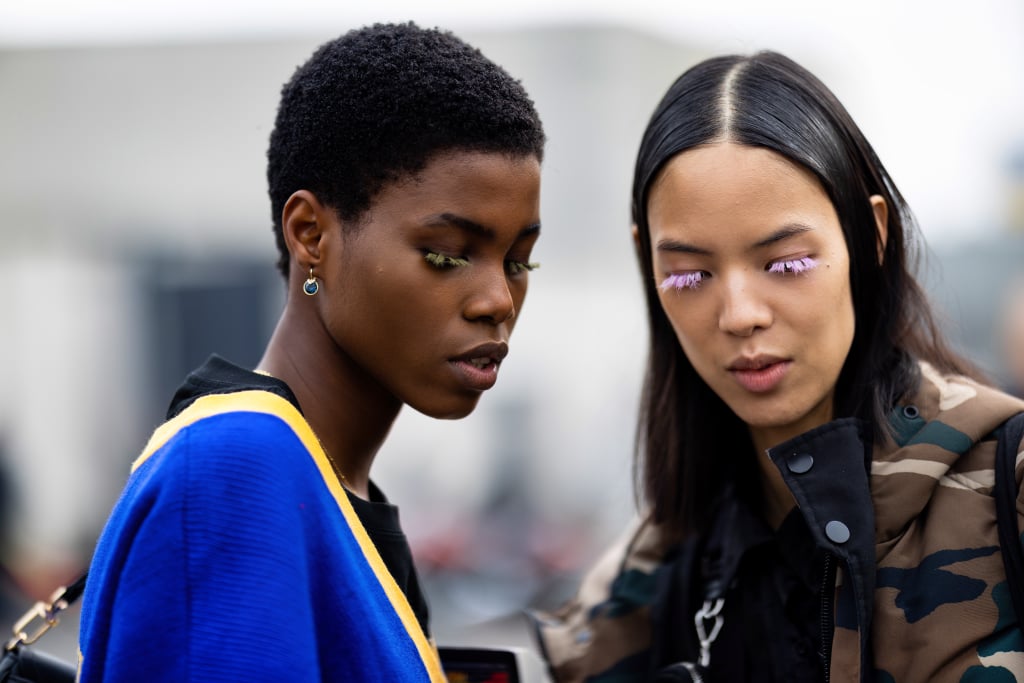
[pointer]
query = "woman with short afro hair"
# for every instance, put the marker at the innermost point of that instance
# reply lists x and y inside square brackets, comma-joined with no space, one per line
[250,543]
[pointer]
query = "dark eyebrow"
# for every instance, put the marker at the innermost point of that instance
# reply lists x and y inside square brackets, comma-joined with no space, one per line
[783,234]
[470,226]
[680,247]
[778,236]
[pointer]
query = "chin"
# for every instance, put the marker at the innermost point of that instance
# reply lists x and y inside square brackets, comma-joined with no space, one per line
[452,411]
[768,420]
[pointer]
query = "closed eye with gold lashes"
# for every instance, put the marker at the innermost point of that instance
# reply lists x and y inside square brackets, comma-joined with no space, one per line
[445,262]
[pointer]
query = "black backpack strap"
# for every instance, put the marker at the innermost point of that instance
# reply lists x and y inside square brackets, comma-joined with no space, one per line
[1010,435]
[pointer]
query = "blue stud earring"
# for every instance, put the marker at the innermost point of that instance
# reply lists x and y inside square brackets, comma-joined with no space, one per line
[310,286]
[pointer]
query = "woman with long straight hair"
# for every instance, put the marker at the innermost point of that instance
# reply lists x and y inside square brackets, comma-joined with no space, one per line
[816,465]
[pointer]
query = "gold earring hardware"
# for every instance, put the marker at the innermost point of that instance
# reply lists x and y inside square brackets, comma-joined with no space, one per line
[311,286]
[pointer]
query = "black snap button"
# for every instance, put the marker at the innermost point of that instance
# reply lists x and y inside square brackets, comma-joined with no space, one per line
[911,412]
[837,532]
[798,463]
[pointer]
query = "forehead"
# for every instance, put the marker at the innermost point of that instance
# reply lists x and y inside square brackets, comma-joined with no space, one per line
[728,189]
[483,186]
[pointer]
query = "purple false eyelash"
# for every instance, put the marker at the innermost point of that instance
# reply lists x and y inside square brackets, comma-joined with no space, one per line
[689,280]
[793,266]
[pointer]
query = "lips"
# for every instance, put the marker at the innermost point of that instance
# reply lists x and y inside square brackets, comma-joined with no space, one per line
[758,362]
[478,367]
[480,356]
[759,374]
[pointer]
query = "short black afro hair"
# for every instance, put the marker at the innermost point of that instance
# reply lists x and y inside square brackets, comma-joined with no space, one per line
[379,103]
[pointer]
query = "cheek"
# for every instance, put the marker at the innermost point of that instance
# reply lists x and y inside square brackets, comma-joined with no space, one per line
[834,317]
[689,323]
[392,300]
[518,289]
[381,294]
[670,308]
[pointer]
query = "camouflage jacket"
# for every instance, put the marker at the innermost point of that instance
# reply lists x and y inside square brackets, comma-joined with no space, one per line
[921,592]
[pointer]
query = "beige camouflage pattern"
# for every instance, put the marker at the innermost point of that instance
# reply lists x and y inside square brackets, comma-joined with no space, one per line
[943,611]
[593,632]
[942,607]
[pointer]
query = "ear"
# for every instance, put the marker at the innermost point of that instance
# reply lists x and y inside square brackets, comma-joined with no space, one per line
[881,210]
[304,222]
[636,236]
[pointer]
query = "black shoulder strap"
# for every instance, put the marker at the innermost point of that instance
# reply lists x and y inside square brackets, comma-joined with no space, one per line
[1006,510]
[74,591]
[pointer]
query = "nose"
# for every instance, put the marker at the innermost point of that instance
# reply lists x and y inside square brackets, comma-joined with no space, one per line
[491,299]
[743,309]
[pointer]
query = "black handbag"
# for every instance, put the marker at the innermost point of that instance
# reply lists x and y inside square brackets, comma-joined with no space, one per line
[23,664]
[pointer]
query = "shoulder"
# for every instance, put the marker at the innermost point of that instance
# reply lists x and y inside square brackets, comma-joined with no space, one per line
[937,539]
[233,468]
[943,456]
[964,410]
[228,437]
[240,421]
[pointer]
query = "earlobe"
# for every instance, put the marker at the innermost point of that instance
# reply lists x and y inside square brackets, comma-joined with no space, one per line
[881,211]
[303,225]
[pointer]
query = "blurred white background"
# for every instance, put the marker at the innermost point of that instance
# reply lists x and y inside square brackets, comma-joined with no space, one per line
[136,240]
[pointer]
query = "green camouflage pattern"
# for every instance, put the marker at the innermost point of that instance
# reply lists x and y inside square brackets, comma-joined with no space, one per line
[942,607]
[604,633]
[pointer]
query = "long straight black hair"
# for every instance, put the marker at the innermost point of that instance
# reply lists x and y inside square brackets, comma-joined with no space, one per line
[689,443]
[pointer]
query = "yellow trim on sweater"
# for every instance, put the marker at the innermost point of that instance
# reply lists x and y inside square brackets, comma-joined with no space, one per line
[271,404]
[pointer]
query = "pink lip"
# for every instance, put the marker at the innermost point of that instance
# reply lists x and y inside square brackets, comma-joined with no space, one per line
[480,377]
[759,374]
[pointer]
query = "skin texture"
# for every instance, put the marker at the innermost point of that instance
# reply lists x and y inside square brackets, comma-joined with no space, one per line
[728,213]
[388,327]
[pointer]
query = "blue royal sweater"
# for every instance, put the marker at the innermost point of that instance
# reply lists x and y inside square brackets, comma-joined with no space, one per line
[234,554]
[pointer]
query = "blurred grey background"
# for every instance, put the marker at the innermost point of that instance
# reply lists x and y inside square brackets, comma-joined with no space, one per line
[135,239]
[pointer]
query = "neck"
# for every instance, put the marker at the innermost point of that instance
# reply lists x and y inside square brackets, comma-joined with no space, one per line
[778,499]
[350,413]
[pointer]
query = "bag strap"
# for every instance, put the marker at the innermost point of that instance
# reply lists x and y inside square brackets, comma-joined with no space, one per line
[47,612]
[1010,435]
[75,590]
